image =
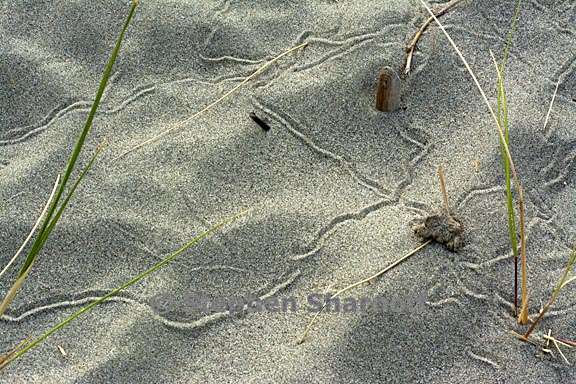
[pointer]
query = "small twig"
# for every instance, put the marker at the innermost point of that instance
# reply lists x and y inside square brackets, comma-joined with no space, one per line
[443,188]
[543,347]
[363,281]
[548,350]
[180,124]
[411,47]
[559,341]
[525,339]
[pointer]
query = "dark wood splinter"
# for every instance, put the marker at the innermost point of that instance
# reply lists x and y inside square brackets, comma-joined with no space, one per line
[259,121]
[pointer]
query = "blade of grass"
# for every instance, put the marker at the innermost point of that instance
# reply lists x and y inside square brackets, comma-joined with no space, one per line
[565,279]
[80,142]
[511,33]
[503,119]
[48,221]
[516,179]
[8,355]
[512,232]
[44,236]
[38,221]
[523,315]
[167,260]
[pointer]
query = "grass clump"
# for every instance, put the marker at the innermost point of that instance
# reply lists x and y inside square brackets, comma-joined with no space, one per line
[501,120]
[502,114]
[515,179]
[56,206]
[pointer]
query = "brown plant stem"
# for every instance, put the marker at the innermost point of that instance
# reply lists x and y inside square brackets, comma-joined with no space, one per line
[411,47]
[442,178]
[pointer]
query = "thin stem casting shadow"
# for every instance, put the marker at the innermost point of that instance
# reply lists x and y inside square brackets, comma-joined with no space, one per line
[363,281]
[180,124]
[443,190]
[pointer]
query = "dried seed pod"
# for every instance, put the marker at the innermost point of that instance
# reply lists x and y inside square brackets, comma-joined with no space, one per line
[388,90]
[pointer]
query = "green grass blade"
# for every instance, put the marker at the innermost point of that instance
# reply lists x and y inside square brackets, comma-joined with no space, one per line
[34,343]
[503,119]
[502,115]
[53,215]
[37,246]
[44,235]
[564,280]
[64,204]
[511,33]
[101,87]
[50,220]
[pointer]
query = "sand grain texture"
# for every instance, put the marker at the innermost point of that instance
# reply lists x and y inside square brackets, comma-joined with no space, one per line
[334,185]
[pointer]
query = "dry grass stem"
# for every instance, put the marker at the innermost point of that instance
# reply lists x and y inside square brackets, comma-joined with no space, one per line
[182,123]
[354,285]
[546,133]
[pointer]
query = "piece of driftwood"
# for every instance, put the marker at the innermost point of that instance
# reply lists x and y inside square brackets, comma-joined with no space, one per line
[388,90]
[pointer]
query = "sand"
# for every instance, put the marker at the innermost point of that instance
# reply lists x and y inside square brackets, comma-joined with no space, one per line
[333,187]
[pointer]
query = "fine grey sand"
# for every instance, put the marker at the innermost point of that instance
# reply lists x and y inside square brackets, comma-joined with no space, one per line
[334,186]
